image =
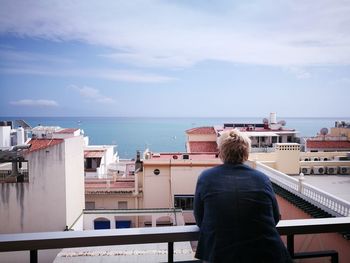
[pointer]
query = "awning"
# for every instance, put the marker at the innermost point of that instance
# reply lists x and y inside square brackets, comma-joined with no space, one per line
[94,154]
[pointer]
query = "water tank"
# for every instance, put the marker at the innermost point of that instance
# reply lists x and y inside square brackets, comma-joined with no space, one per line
[273,118]
[20,135]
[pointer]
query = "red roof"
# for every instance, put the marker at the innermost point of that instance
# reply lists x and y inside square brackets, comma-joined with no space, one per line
[67,131]
[201,130]
[39,144]
[328,144]
[203,147]
[93,153]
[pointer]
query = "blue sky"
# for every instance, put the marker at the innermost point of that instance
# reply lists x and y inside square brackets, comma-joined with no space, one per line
[175,58]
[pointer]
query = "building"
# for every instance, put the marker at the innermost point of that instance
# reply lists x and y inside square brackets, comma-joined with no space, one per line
[263,135]
[338,139]
[51,195]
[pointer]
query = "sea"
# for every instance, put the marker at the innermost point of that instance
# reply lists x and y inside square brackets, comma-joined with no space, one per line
[159,134]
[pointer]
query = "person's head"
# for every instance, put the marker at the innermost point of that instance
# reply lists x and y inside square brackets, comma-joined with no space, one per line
[234,147]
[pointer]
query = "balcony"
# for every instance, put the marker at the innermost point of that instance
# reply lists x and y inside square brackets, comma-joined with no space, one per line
[70,239]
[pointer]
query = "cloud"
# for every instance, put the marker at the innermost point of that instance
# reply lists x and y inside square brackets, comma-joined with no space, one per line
[107,74]
[92,94]
[170,34]
[299,72]
[21,56]
[35,103]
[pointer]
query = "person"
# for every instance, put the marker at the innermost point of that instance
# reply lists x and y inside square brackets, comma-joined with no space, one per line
[236,209]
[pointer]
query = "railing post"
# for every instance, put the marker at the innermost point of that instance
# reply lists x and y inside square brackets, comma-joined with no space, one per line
[290,245]
[34,256]
[170,252]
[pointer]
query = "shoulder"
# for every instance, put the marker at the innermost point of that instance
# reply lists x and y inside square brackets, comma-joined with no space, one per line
[210,172]
[257,174]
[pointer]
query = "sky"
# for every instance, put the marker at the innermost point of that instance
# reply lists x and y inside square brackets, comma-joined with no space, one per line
[163,58]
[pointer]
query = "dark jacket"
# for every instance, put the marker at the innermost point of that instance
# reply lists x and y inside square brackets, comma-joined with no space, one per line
[236,211]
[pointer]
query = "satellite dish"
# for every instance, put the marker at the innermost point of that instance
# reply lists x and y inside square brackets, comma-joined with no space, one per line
[324,131]
[265,120]
[282,122]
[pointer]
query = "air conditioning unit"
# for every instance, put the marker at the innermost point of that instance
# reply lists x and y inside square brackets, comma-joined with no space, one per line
[316,159]
[305,170]
[319,170]
[344,169]
[332,169]
[306,159]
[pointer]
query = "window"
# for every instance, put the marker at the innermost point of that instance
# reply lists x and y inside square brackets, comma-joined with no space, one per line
[185,202]
[122,205]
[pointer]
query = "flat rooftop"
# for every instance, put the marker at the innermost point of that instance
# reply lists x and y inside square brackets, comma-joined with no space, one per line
[338,185]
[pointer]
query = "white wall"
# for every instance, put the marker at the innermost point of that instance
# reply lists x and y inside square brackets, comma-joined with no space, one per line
[38,205]
[5,136]
[52,199]
[74,187]
[28,207]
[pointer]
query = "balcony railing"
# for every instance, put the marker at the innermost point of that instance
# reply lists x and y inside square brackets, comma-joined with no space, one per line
[69,239]
[324,200]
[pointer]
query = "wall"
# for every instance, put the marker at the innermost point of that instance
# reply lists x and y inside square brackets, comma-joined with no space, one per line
[74,180]
[201,137]
[38,205]
[28,207]
[313,242]
[287,158]
[184,179]
[5,138]
[110,201]
[156,188]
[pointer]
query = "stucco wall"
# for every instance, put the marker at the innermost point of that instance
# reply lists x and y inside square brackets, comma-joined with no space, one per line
[156,188]
[184,179]
[201,137]
[74,180]
[110,201]
[40,204]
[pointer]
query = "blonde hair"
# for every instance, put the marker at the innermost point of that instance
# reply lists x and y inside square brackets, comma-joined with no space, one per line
[234,147]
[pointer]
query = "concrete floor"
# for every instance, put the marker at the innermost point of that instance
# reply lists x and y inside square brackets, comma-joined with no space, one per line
[338,185]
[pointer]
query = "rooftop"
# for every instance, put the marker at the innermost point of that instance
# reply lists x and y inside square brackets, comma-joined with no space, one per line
[67,130]
[337,185]
[39,144]
[328,144]
[202,130]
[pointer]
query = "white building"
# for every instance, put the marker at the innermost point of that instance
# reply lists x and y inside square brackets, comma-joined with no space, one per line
[53,196]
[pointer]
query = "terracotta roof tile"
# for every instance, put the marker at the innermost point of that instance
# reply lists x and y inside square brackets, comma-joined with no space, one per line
[39,144]
[203,147]
[93,153]
[328,144]
[201,130]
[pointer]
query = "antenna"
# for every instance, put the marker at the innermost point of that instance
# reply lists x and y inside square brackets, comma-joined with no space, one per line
[282,122]
[324,131]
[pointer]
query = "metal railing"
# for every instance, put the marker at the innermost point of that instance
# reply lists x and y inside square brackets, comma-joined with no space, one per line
[69,239]
[322,199]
